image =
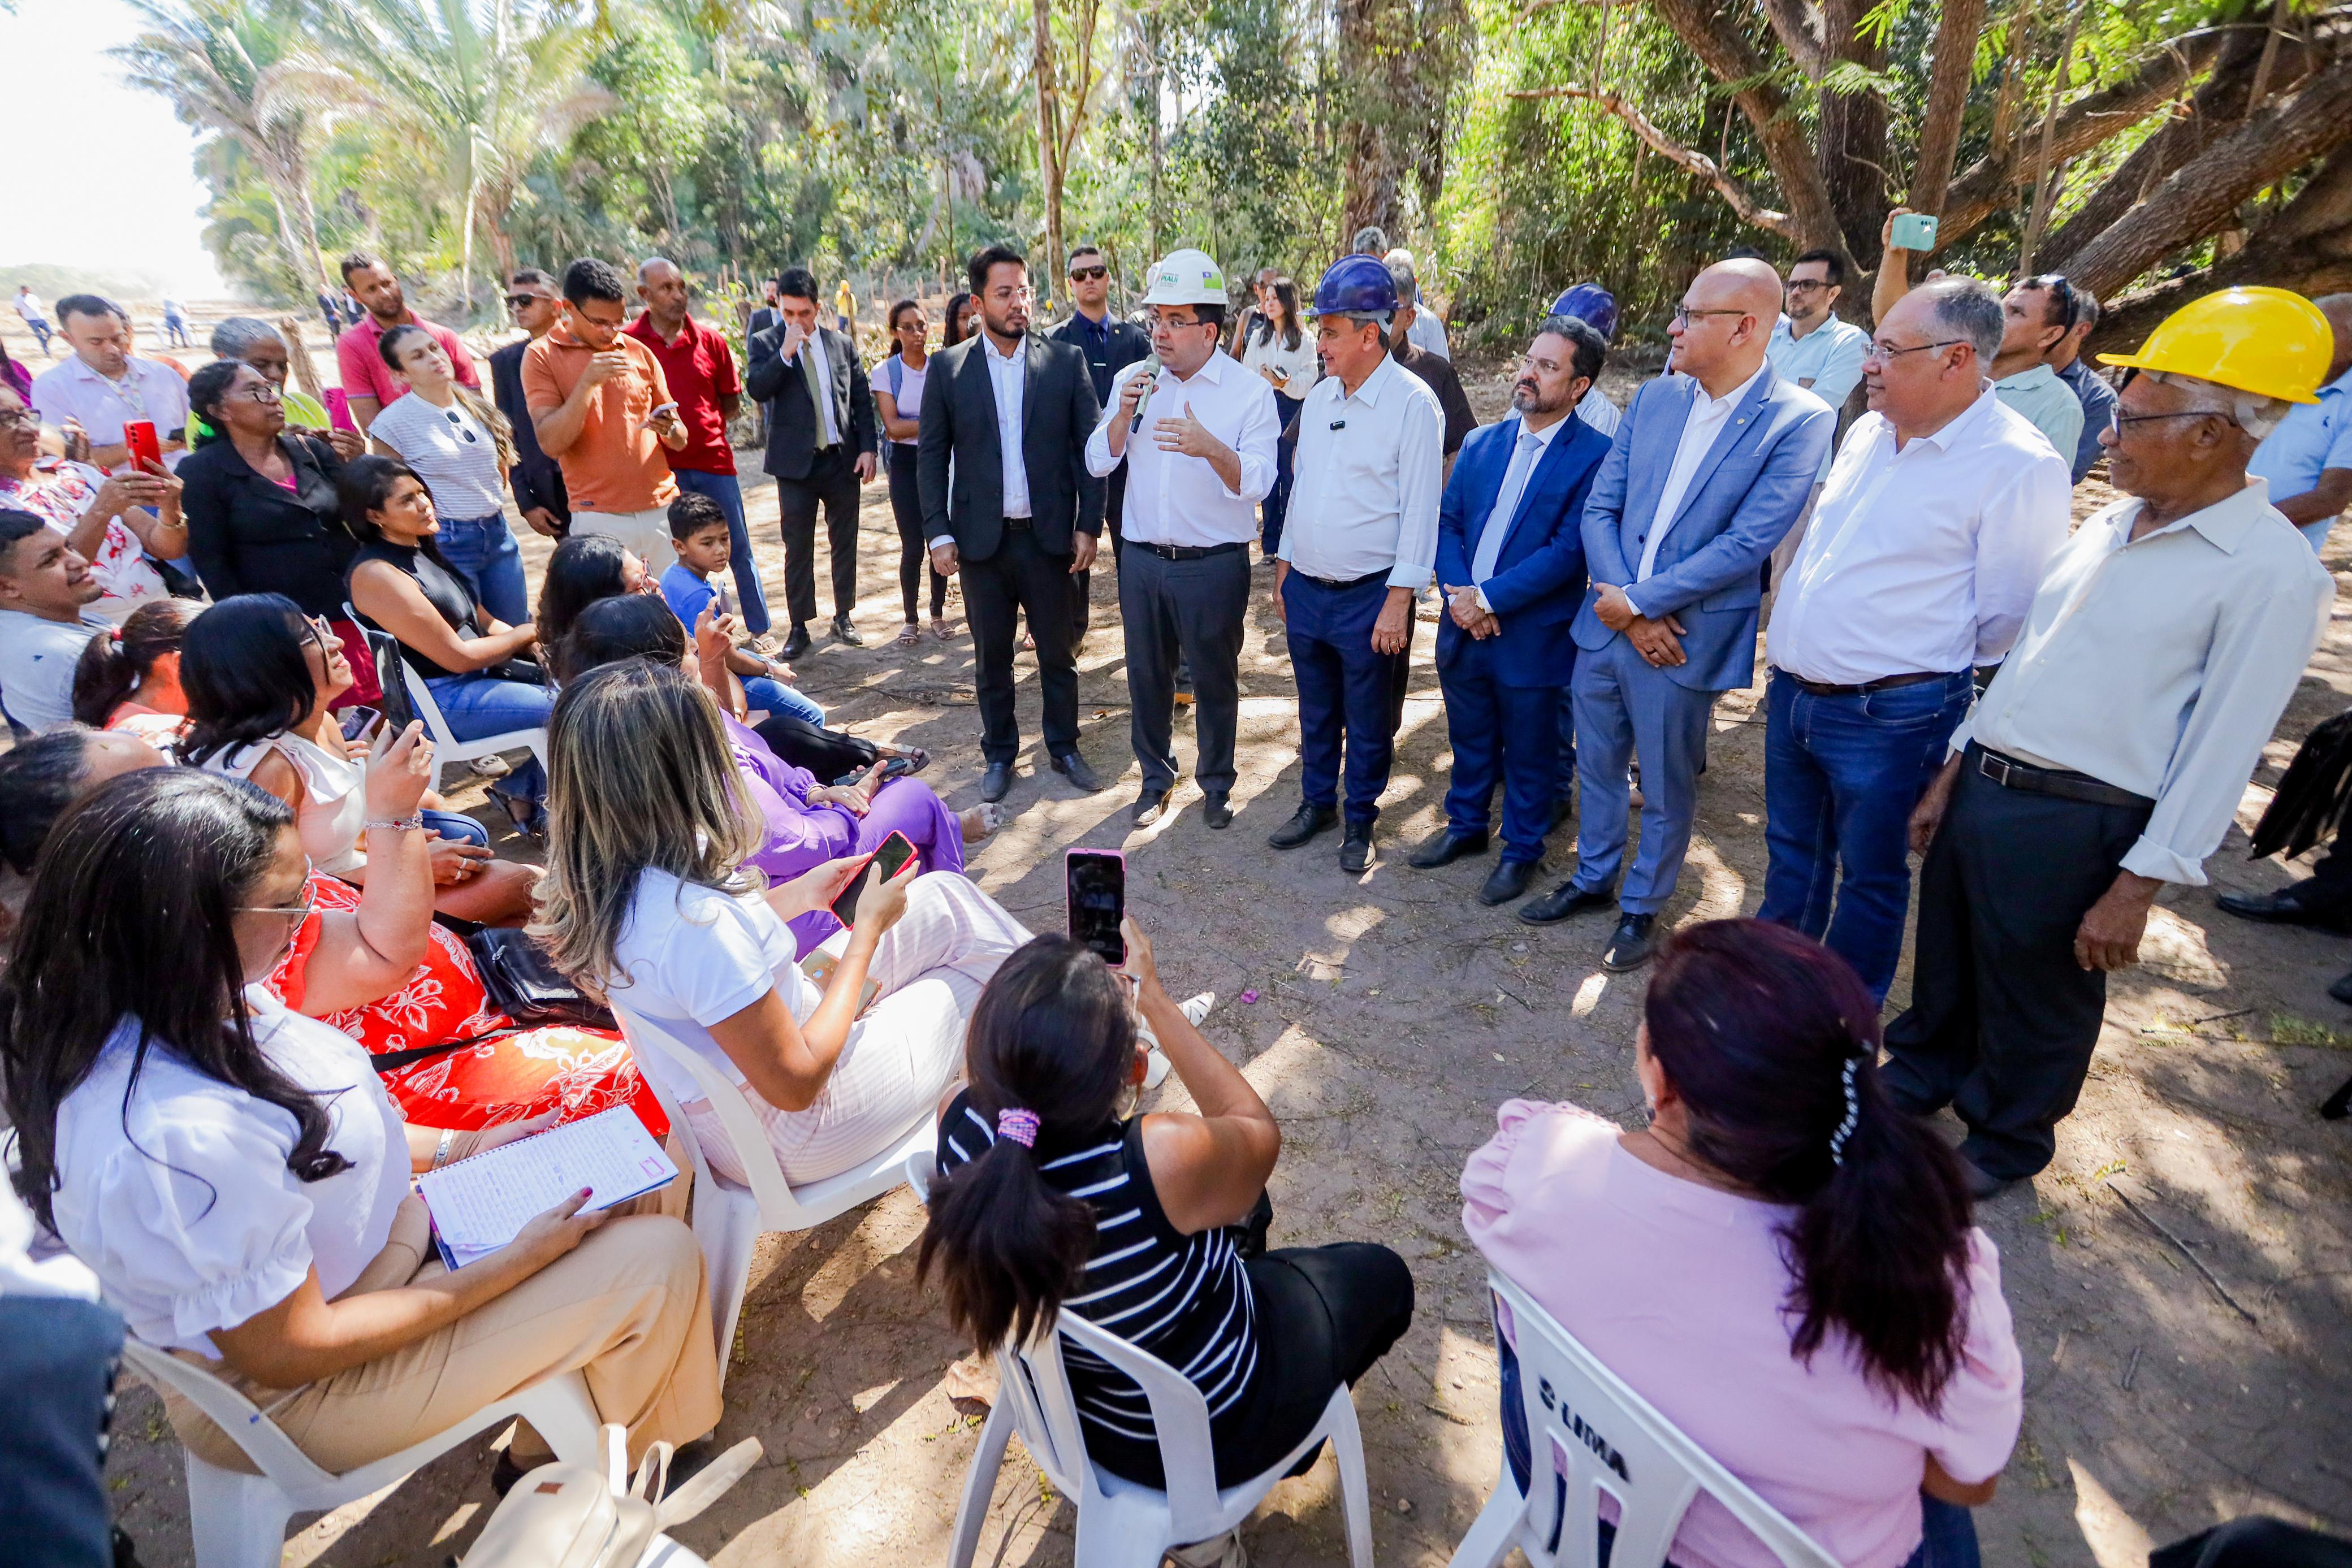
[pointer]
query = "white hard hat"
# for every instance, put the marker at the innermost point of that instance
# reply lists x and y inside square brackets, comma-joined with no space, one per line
[1186,278]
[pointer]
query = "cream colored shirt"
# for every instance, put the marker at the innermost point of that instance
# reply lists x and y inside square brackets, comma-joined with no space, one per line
[2160,666]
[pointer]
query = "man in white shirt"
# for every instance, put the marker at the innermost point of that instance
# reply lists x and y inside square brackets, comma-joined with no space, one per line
[2108,755]
[1193,484]
[105,384]
[37,320]
[1925,550]
[1359,543]
[44,626]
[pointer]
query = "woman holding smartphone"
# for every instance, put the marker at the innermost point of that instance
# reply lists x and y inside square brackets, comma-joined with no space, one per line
[899,398]
[462,448]
[649,903]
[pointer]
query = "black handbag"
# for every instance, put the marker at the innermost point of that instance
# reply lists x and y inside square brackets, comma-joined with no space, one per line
[525,986]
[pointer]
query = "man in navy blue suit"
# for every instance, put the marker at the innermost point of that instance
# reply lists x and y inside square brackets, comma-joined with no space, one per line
[1510,560]
[1709,469]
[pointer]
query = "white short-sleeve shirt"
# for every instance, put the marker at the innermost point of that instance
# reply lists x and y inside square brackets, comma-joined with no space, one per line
[455,457]
[178,1196]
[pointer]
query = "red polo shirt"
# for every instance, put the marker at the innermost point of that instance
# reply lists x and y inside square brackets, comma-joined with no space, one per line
[698,366]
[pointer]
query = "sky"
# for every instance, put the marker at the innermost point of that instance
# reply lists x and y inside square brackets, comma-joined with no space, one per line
[127,198]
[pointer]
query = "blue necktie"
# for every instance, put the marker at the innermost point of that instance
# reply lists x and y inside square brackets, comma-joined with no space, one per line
[1506,503]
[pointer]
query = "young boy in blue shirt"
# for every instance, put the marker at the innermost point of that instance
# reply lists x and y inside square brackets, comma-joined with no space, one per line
[699,533]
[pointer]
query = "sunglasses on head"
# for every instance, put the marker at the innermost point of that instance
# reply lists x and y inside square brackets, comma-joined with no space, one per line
[2055,284]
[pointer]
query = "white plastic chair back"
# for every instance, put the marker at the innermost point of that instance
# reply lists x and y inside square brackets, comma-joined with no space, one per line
[391,668]
[1582,1418]
[238,1521]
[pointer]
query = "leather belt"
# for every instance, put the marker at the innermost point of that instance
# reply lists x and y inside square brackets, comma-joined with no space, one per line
[1885,682]
[1018,524]
[2010,774]
[1182,552]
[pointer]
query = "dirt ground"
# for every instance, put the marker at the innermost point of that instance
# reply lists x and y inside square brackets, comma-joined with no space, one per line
[1392,1015]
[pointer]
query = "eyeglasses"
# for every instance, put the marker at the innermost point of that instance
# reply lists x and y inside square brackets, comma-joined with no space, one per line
[1089,274]
[1684,314]
[265,394]
[16,416]
[1158,323]
[1804,284]
[2124,419]
[292,911]
[1882,351]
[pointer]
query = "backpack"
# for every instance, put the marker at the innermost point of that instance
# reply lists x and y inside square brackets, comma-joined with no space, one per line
[570,1516]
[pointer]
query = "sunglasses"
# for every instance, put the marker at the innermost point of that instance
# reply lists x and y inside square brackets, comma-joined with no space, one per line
[2069,308]
[1089,274]
[516,302]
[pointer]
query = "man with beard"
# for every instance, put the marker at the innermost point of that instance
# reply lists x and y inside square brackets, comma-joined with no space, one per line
[366,379]
[1510,561]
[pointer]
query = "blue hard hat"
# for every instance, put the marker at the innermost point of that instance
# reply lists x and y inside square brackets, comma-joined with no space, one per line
[1356,283]
[1591,304]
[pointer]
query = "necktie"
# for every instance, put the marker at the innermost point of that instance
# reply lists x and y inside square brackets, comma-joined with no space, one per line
[820,398]
[1506,503]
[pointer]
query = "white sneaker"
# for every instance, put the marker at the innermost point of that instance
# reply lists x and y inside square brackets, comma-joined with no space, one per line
[1222,1551]
[489,766]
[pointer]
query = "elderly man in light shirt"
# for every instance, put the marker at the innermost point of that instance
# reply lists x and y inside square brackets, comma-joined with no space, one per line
[2108,755]
[1925,550]
[105,384]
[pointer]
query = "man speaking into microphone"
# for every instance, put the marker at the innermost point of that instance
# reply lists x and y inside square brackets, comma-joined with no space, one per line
[1197,433]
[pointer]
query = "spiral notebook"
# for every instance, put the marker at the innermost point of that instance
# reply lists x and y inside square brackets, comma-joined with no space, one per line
[480,1204]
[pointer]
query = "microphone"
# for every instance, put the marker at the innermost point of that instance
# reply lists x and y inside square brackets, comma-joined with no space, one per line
[1150,364]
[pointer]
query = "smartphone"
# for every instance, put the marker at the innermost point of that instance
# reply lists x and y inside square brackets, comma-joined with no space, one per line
[360,724]
[338,409]
[895,852]
[654,414]
[1097,893]
[139,434]
[1913,231]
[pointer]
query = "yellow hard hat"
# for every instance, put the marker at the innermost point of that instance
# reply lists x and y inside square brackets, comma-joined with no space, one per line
[2271,342]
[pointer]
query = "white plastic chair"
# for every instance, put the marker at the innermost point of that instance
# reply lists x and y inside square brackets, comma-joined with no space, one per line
[1122,1524]
[446,747]
[728,1221]
[238,1521]
[1612,1440]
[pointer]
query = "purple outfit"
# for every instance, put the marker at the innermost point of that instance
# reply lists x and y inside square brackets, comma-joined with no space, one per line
[801,837]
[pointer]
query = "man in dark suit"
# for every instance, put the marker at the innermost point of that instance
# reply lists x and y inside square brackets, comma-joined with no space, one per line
[1013,412]
[1709,469]
[1510,560]
[821,447]
[1110,345]
[537,478]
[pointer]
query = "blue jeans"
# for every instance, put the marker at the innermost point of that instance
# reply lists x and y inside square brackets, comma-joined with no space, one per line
[775,698]
[451,825]
[57,1359]
[1840,777]
[479,705]
[1948,1531]
[728,492]
[1285,453]
[484,548]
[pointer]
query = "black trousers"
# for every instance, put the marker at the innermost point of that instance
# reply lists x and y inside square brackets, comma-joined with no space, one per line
[1082,607]
[1021,578]
[827,753]
[832,483]
[1325,1314]
[1196,611]
[914,555]
[2002,1020]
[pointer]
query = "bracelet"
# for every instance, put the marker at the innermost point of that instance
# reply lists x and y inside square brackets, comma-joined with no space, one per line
[441,1150]
[413,822]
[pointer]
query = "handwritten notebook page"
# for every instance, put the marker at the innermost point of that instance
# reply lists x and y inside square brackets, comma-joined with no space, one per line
[480,1204]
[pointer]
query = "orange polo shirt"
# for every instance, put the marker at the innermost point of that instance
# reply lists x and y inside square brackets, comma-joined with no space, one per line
[617,465]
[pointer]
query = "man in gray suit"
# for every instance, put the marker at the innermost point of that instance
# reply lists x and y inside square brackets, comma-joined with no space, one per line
[821,444]
[1709,469]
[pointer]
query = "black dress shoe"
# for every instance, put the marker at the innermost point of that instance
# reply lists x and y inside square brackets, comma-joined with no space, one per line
[1073,767]
[1149,806]
[1304,824]
[1445,849]
[847,632]
[794,645]
[1629,945]
[997,782]
[1565,900]
[1216,812]
[1356,848]
[2284,907]
[1509,881]
[1982,1184]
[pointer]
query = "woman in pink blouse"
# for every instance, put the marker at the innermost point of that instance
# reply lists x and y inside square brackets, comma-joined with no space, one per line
[1781,1262]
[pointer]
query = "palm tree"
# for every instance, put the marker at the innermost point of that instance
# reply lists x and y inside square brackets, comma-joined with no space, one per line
[482,88]
[237,68]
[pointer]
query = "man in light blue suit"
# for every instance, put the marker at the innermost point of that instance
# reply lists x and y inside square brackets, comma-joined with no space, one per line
[1510,560]
[1708,470]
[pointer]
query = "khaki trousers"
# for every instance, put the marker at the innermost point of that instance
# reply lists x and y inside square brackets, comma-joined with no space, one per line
[628,1308]
[646,532]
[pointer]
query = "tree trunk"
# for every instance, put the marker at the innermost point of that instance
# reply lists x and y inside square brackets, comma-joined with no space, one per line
[1957,27]
[1373,170]
[1049,133]
[1852,151]
[2045,170]
[286,173]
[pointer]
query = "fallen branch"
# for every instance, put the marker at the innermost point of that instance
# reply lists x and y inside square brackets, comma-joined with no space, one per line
[2195,1261]
[1741,200]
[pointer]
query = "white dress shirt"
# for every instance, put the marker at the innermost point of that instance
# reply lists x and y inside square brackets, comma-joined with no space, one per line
[149,390]
[1705,422]
[1922,560]
[1008,377]
[814,346]
[1595,409]
[1365,491]
[1527,449]
[1176,499]
[2160,666]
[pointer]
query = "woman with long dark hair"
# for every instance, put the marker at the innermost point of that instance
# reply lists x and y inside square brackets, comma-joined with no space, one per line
[239,1182]
[1282,351]
[129,678]
[1048,1179]
[583,570]
[1782,1261]
[898,399]
[963,310]
[462,447]
[475,664]
[259,678]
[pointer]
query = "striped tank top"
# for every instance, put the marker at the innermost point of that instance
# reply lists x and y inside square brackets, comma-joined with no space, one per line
[1185,1299]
